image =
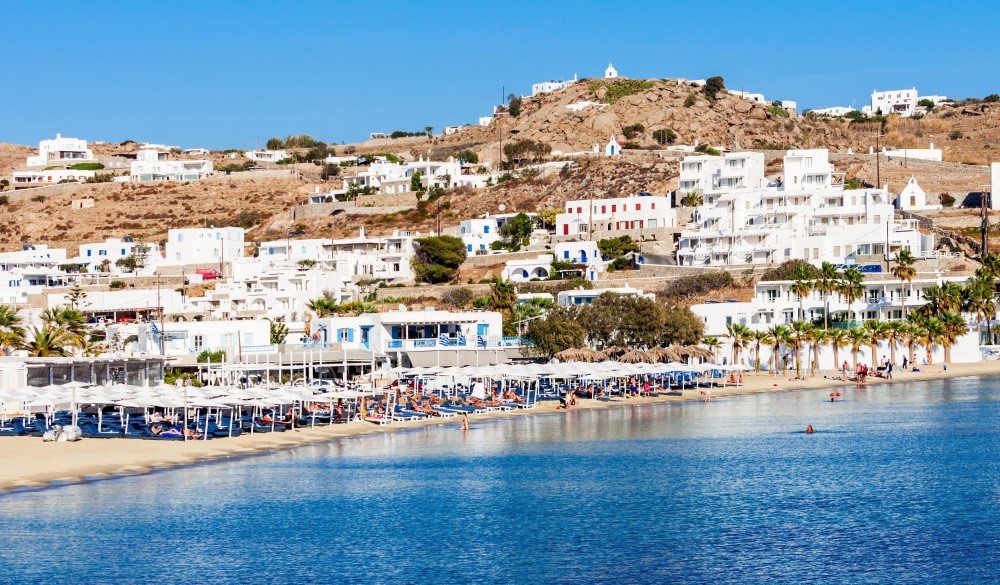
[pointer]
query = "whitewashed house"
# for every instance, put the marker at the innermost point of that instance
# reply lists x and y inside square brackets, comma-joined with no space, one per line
[61,151]
[528,269]
[930,153]
[266,156]
[995,186]
[153,165]
[613,147]
[255,291]
[479,234]
[114,249]
[48,177]
[618,216]
[580,296]
[835,111]
[550,86]
[809,215]
[204,245]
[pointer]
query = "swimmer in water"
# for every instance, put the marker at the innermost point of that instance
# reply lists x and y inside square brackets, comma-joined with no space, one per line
[809,429]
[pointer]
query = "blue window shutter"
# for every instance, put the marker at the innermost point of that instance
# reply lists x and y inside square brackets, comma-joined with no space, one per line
[486,229]
[88,252]
[350,335]
[340,336]
[483,329]
[566,254]
[395,331]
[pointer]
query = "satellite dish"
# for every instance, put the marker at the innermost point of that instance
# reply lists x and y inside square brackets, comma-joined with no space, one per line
[502,207]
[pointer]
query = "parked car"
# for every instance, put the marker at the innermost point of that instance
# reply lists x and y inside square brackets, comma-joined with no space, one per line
[871,268]
[208,273]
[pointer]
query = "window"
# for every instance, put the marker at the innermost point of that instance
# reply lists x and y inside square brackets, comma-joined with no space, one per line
[652,205]
[579,210]
[604,209]
[199,342]
[486,229]
[88,252]
[836,251]
[614,208]
[638,206]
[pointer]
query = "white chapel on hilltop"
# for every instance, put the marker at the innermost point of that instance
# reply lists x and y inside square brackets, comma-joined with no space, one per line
[610,72]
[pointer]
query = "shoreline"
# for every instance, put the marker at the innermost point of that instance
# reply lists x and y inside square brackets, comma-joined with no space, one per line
[30,463]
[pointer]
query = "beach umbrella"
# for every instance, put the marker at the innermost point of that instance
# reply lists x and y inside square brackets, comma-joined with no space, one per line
[614,352]
[634,357]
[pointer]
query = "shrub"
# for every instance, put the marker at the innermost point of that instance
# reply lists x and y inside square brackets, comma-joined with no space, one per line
[713,85]
[247,219]
[955,134]
[514,106]
[116,284]
[100,178]
[4,200]
[38,198]
[86,166]
[460,297]
[706,149]
[698,284]
[690,100]
[437,258]
[632,145]
[790,270]
[664,136]
[616,89]
[467,156]
[947,199]
[777,111]
[526,151]
[633,130]
[215,357]
[992,98]
[852,183]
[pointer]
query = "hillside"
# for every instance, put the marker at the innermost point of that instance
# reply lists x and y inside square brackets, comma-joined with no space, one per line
[966,133]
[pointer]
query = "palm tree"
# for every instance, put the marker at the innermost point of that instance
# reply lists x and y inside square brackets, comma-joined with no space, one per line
[876,331]
[11,332]
[893,330]
[979,300]
[817,337]
[757,338]
[910,334]
[931,331]
[70,320]
[838,340]
[827,282]
[905,272]
[801,288]
[322,306]
[47,341]
[852,286]
[799,332]
[713,344]
[951,293]
[740,334]
[692,199]
[992,264]
[777,336]
[953,326]
[857,337]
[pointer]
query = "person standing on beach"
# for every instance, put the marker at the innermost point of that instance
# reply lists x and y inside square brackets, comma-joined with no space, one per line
[905,361]
[888,370]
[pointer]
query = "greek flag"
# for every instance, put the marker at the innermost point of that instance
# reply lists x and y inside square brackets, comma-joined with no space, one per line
[154,328]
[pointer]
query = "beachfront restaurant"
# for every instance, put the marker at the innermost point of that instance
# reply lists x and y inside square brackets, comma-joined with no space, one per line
[18,372]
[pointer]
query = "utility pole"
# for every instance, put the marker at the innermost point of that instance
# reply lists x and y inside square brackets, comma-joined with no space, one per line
[985,223]
[878,160]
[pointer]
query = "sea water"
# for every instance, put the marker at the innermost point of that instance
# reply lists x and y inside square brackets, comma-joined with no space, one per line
[899,484]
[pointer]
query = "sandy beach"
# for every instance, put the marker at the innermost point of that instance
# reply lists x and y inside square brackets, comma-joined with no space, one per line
[30,463]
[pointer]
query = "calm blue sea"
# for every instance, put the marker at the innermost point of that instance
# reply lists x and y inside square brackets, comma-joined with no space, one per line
[900,484]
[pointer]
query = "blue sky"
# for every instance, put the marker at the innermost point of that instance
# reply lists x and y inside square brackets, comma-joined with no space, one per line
[219,75]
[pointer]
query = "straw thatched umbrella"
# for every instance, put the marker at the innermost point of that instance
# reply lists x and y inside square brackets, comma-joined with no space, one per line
[635,357]
[579,355]
[699,352]
[614,352]
[657,354]
[568,355]
[590,355]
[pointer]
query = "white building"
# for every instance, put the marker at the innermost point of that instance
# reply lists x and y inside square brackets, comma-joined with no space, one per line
[930,153]
[913,198]
[809,216]
[995,186]
[48,177]
[197,152]
[256,291]
[624,215]
[187,339]
[114,249]
[580,297]
[204,245]
[613,147]
[832,111]
[733,170]
[271,156]
[153,165]
[550,86]
[610,72]
[539,268]
[897,101]
[61,150]
[479,234]
[774,303]
[421,338]
[753,97]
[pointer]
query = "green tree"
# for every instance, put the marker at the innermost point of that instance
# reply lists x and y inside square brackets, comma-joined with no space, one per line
[852,288]
[437,258]
[517,230]
[857,337]
[70,321]
[778,336]
[467,156]
[838,340]
[877,332]
[953,326]
[275,144]
[415,183]
[614,248]
[11,332]
[513,105]
[713,344]
[429,131]
[664,136]
[279,331]
[559,330]
[799,331]
[503,298]
[547,218]
[48,341]
[802,288]
[827,281]
[214,357]
[905,271]
[713,85]
[692,199]
[740,335]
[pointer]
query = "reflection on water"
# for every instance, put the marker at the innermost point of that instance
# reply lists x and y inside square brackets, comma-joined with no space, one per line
[899,484]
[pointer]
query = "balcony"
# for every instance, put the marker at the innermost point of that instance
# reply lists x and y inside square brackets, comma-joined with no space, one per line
[448,343]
